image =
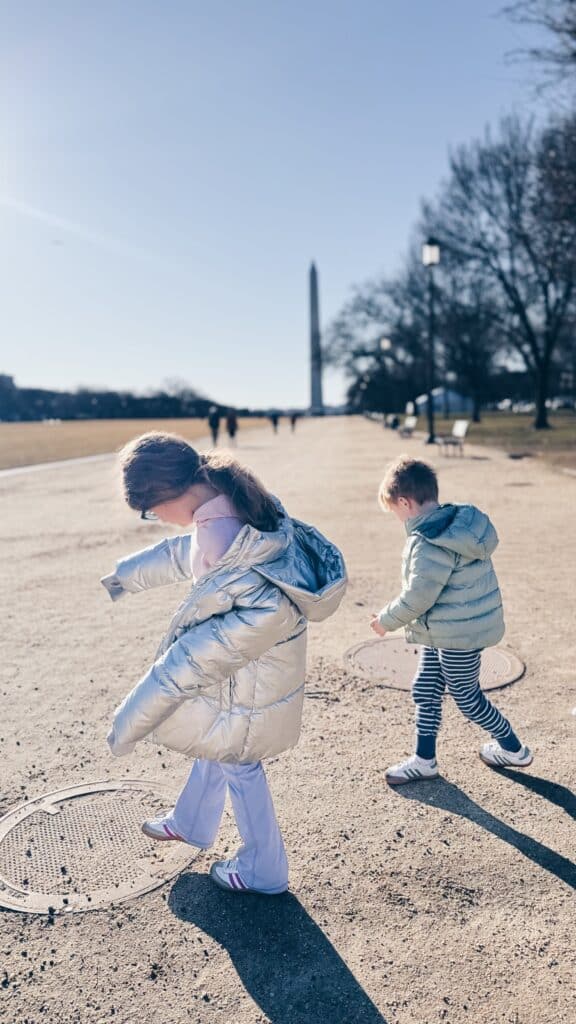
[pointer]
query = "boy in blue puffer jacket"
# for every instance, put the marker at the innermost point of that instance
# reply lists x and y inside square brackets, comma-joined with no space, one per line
[451,604]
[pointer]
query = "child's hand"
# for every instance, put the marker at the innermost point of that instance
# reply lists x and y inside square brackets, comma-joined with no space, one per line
[118,749]
[113,586]
[375,625]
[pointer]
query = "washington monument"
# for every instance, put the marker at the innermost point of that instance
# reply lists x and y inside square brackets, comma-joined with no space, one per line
[316,403]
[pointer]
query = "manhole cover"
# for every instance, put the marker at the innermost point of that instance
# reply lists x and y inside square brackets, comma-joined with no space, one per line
[393,663]
[82,848]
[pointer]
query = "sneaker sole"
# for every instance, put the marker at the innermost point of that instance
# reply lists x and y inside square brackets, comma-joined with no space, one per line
[242,892]
[397,780]
[164,838]
[512,764]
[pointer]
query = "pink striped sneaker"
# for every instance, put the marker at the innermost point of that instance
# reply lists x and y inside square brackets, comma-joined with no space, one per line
[225,874]
[159,828]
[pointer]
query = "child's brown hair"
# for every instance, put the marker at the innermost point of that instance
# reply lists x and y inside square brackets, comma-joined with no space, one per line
[408,478]
[158,467]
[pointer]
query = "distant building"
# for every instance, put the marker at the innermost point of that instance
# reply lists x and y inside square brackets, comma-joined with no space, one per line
[447,402]
[338,410]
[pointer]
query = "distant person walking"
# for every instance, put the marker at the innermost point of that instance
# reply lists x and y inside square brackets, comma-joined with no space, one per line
[294,420]
[228,684]
[232,426]
[274,420]
[214,423]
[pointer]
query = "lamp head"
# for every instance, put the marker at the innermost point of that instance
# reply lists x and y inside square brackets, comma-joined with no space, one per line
[431,252]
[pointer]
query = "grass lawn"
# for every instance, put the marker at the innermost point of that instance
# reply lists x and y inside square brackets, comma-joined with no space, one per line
[23,444]
[515,433]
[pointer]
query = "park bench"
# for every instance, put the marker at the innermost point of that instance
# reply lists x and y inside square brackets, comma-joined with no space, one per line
[456,438]
[409,426]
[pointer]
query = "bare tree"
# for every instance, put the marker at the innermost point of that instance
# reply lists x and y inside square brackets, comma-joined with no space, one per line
[508,212]
[468,334]
[189,397]
[469,327]
[391,311]
[352,339]
[558,19]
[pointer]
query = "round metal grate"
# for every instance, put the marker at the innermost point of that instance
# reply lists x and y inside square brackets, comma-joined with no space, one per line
[393,662]
[82,848]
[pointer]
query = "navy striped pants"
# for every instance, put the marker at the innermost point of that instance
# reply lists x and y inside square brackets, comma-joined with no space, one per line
[459,673]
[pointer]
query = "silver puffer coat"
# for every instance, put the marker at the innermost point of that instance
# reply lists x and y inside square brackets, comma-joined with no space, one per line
[228,682]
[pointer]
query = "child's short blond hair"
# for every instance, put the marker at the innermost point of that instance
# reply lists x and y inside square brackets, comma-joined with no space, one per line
[408,478]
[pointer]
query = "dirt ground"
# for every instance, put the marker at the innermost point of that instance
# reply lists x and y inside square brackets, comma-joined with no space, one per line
[449,901]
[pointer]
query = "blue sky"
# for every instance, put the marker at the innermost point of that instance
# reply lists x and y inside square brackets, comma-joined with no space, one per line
[169,169]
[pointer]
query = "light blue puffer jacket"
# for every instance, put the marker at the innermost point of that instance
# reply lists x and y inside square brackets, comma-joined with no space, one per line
[450,597]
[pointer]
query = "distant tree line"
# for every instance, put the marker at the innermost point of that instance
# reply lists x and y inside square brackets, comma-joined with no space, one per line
[505,288]
[174,401]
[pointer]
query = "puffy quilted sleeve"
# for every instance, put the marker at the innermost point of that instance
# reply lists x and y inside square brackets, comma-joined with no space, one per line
[430,568]
[156,566]
[204,656]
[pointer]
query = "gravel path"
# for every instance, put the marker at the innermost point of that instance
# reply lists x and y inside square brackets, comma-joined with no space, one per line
[448,901]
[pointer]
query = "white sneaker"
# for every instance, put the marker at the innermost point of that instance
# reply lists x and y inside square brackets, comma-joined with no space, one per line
[496,757]
[225,874]
[160,828]
[415,769]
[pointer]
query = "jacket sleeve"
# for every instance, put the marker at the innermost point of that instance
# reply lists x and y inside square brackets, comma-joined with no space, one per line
[156,566]
[429,571]
[202,657]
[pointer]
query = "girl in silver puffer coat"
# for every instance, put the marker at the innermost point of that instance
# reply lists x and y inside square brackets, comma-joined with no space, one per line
[227,686]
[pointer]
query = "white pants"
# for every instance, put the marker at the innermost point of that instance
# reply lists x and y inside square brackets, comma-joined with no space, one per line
[262,862]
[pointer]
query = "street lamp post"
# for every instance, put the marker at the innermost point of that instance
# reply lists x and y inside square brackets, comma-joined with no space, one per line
[384,347]
[430,259]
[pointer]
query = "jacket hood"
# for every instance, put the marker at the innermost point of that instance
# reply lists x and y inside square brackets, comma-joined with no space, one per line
[298,559]
[463,529]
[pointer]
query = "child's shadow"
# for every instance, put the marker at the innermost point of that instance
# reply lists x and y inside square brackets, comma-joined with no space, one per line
[283,959]
[450,798]
[552,791]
